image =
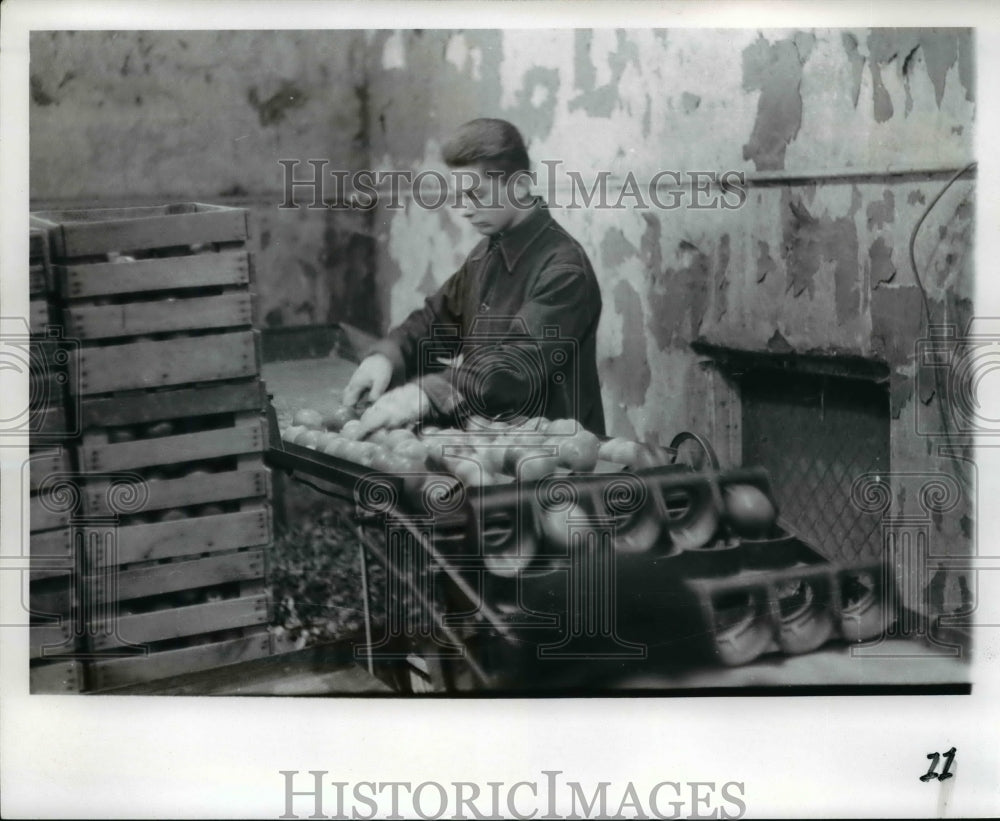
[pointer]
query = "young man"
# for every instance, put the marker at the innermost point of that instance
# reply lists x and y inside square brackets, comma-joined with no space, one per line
[527,280]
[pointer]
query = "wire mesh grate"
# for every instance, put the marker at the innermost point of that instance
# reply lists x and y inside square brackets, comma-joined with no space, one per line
[816,435]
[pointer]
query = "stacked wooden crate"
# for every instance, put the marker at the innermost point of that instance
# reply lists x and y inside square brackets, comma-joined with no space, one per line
[53,493]
[166,381]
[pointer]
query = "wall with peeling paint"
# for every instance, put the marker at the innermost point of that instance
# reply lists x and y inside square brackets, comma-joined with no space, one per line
[159,116]
[817,265]
[816,260]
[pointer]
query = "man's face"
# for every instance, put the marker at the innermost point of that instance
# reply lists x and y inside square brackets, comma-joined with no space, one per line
[491,203]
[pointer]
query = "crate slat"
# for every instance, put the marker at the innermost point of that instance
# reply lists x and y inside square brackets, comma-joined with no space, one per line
[43,570]
[44,378]
[99,231]
[55,639]
[181,575]
[37,280]
[165,362]
[245,437]
[179,622]
[38,315]
[138,408]
[47,463]
[46,514]
[225,268]
[119,672]
[187,490]
[52,679]
[37,245]
[158,316]
[186,537]
[53,546]
[51,598]
[48,421]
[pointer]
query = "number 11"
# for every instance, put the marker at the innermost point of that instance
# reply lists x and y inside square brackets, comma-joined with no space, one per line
[930,775]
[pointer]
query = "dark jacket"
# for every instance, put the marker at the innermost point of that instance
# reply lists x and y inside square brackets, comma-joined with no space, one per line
[512,332]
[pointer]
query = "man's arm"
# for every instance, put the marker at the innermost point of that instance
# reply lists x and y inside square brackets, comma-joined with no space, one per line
[566,296]
[393,359]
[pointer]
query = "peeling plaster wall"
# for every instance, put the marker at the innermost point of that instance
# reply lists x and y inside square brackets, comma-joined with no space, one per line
[159,116]
[820,267]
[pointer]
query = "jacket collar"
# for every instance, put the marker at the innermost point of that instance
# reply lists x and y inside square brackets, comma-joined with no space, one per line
[515,241]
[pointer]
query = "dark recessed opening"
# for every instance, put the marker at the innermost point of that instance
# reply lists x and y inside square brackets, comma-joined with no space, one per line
[816,435]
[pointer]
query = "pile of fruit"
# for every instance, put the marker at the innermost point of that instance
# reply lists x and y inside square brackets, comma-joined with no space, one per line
[487,452]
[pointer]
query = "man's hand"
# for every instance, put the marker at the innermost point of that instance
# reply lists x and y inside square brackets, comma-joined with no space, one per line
[373,375]
[397,408]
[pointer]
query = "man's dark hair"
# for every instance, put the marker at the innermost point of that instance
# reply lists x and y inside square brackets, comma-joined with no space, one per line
[495,144]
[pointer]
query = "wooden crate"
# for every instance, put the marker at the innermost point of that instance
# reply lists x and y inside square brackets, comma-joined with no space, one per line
[251,480]
[51,554]
[53,596]
[54,639]
[215,533]
[158,363]
[53,678]
[104,675]
[49,420]
[144,407]
[89,322]
[38,315]
[182,622]
[45,380]
[37,281]
[47,462]
[246,434]
[88,281]
[39,267]
[51,417]
[47,513]
[100,231]
[181,575]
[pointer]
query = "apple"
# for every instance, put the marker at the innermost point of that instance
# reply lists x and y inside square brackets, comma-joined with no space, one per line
[309,439]
[325,438]
[291,432]
[352,451]
[398,436]
[369,452]
[535,466]
[562,427]
[412,449]
[393,463]
[351,430]
[174,515]
[491,458]
[308,417]
[158,429]
[748,509]
[378,436]
[336,446]
[338,417]
[538,424]
[555,524]
[470,473]
[116,435]
[477,422]
[579,452]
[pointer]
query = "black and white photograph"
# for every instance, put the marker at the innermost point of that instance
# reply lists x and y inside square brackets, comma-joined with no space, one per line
[510,367]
